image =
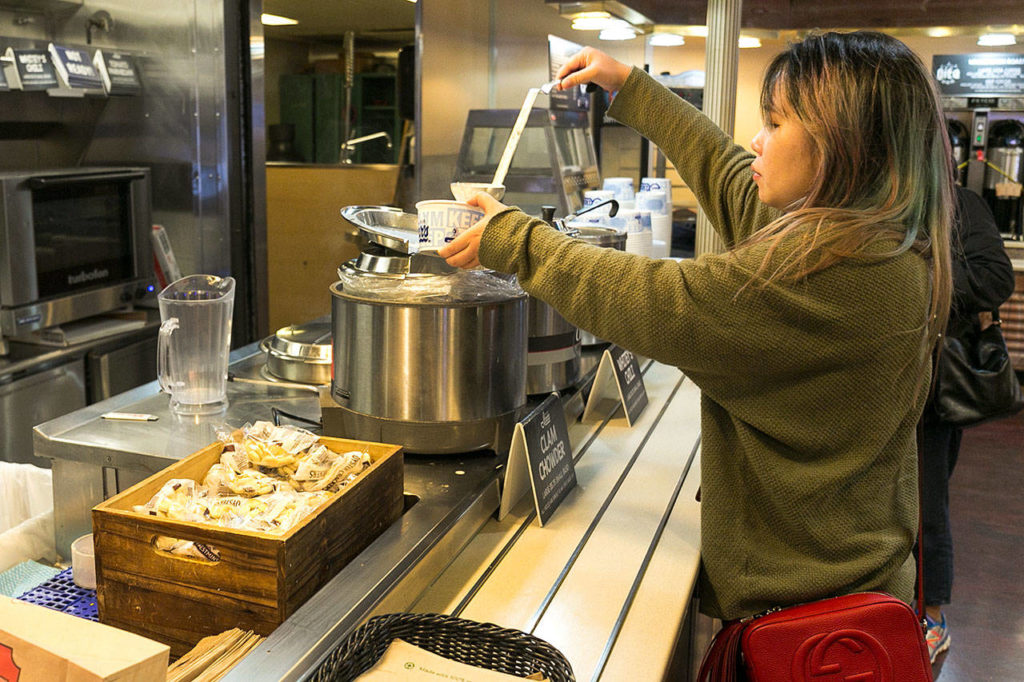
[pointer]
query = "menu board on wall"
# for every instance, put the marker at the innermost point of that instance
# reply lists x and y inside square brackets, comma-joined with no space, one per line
[75,68]
[559,52]
[30,70]
[118,72]
[982,74]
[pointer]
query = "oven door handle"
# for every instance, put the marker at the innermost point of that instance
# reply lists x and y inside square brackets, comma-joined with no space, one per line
[42,182]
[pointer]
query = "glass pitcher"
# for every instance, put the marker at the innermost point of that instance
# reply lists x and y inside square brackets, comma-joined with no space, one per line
[195,341]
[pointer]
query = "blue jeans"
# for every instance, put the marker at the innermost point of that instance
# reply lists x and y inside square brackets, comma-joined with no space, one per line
[940,451]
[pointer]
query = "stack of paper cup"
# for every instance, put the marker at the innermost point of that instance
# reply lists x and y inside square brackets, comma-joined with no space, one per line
[622,187]
[656,202]
[658,185]
[661,220]
[638,231]
[596,196]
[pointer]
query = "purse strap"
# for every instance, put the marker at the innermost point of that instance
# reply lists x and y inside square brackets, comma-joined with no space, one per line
[721,661]
[920,521]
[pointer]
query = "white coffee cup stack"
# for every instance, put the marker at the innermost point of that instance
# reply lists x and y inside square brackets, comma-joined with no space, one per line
[622,187]
[661,212]
[639,237]
[596,196]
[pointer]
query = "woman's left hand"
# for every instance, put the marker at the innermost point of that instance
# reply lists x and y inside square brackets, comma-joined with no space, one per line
[464,250]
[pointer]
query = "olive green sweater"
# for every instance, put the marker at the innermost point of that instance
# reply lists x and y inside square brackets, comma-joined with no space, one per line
[810,390]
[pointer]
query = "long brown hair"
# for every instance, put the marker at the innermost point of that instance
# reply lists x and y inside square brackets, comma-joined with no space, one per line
[884,184]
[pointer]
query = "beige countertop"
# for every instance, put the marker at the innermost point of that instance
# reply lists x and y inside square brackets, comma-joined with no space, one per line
[608,579]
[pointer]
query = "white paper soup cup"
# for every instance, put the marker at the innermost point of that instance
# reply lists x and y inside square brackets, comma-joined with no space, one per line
[441,220]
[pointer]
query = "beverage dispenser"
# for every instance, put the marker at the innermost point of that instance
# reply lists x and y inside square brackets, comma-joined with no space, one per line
[1004,157]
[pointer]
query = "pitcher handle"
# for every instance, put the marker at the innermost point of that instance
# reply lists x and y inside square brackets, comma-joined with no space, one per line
[163,354]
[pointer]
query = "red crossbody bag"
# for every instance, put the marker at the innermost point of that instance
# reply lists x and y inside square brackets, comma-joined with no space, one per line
[861,637]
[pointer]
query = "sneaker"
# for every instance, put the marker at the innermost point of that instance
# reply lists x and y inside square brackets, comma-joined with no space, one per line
[937,637]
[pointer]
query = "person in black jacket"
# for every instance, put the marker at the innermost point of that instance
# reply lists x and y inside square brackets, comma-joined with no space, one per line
[982,280]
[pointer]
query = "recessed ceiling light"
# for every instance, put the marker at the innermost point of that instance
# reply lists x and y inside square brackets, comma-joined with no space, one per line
[749,41]
[993,39]
[275,20]
[596,23]
[666,39]
[939,32]
[618,33]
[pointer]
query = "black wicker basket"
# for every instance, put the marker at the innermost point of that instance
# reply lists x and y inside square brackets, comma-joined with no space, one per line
[484,645]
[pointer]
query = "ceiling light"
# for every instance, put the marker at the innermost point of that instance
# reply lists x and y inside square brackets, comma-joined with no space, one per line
[749,41]
[595,23]
[618,33]
[699,31]
[275,20]
[939,32]
[993,39]
[588,15]
[666,39]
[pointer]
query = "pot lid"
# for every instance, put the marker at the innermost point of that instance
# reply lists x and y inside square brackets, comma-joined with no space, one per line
[378,261]
[309,342]
[390,227]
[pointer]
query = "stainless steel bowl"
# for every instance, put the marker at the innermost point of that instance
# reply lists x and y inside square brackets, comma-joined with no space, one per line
[300,353]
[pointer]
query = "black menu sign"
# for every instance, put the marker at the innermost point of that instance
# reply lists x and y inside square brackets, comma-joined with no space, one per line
[75,68]
[33,69]
[541,456]
[618,378]
[985,73]
[120,77]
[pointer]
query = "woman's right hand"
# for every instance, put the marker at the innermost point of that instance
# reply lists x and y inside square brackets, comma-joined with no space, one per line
[593,66]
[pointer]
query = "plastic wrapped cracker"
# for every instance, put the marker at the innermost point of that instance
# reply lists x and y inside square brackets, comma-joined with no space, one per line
[186,548]
[268,479]
[269,455]
[252,483]
[218,479]
[293,439]
[235,457]
[353,462]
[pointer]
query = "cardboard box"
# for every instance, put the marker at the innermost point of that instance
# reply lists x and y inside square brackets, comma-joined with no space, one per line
[38,644]
[259,580]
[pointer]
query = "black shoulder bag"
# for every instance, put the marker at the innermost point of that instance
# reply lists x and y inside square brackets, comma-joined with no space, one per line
[975,381]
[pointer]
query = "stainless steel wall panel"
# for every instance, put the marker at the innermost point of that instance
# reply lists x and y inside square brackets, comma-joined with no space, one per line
[34,399]
[177,125]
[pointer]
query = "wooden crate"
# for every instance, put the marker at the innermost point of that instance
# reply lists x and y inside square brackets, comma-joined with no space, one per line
[260,579]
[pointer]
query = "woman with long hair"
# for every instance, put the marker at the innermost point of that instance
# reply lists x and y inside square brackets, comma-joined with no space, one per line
[810,337]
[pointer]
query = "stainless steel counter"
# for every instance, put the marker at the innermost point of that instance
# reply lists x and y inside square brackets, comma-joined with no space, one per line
[449,501]
[38,383]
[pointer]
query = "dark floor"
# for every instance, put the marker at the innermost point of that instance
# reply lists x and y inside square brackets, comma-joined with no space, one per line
[986,617]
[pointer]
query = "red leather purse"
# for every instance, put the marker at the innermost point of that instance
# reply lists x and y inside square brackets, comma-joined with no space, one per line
[862,637]
[867,636]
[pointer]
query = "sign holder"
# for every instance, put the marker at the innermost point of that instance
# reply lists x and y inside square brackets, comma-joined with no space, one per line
[75,71]
[118,72]
[540,460]
[618,380]
[29,70]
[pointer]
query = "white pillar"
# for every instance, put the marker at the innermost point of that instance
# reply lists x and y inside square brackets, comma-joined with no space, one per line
[721,67]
